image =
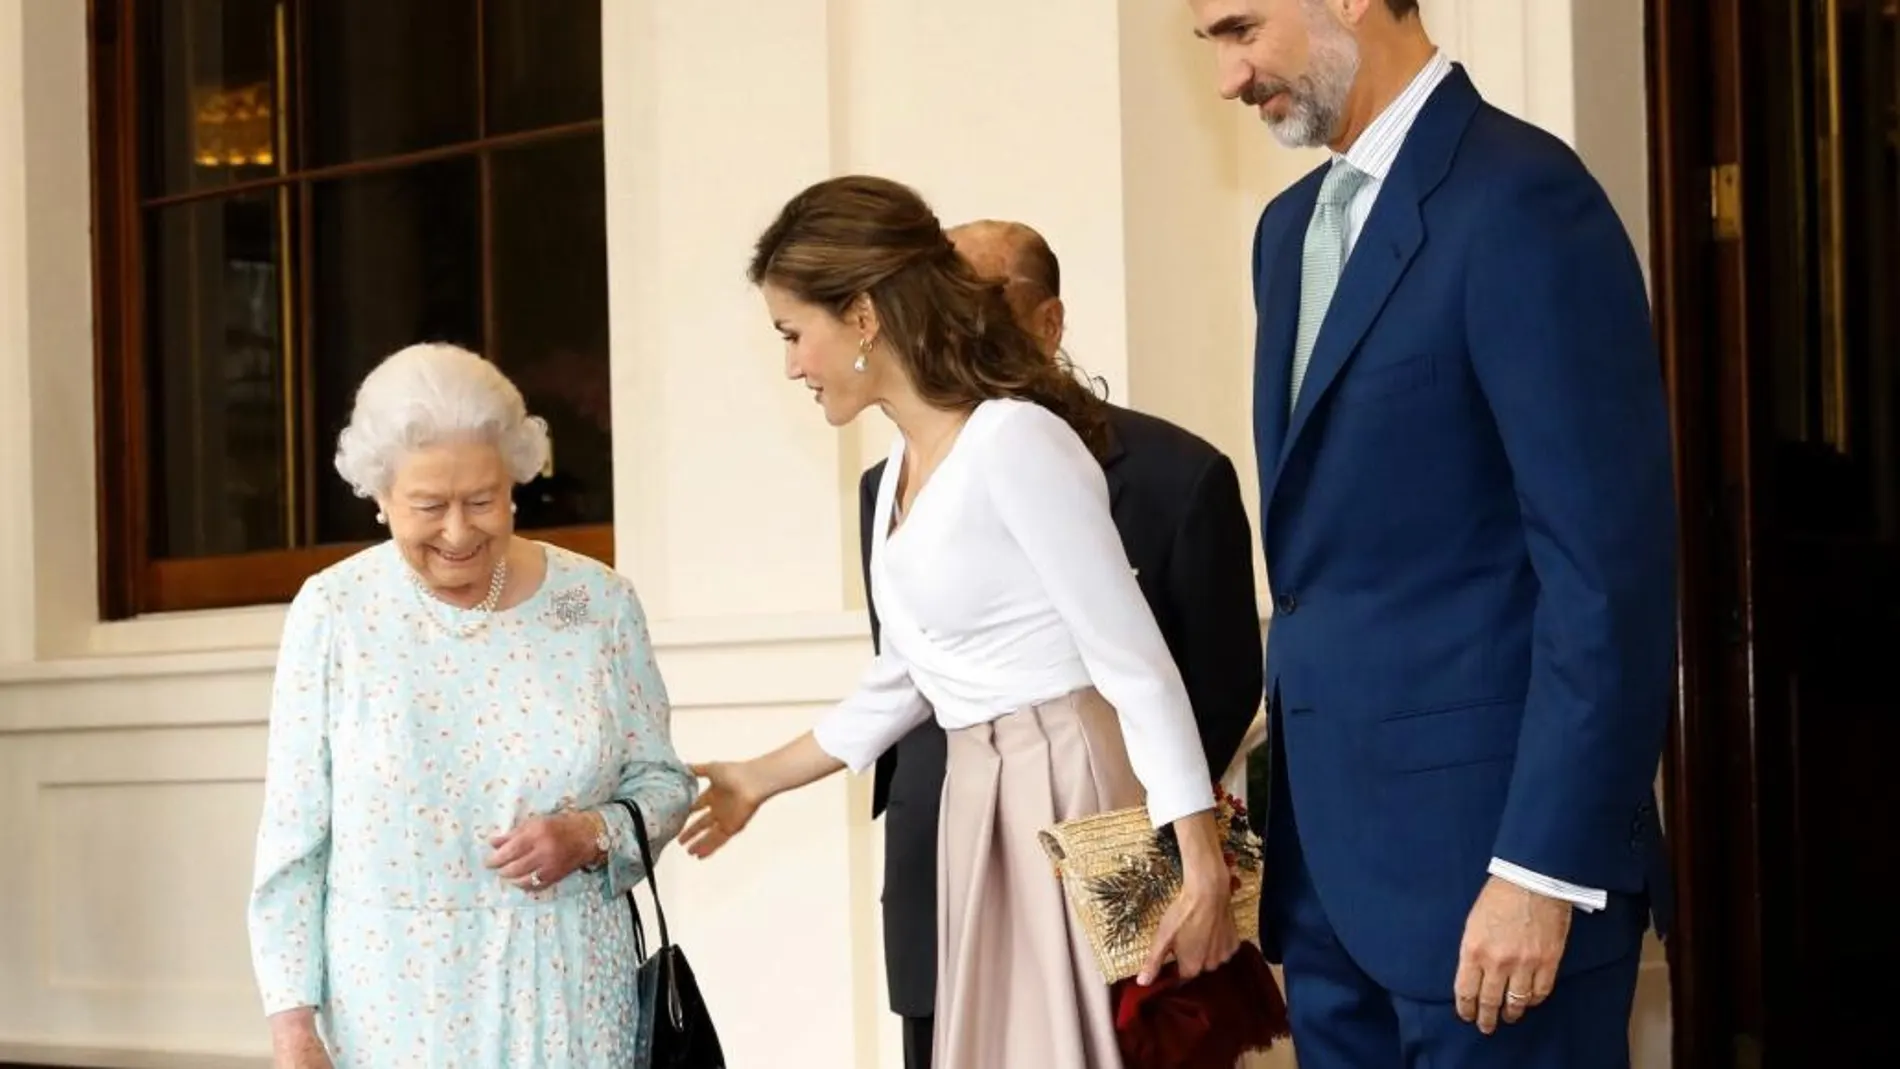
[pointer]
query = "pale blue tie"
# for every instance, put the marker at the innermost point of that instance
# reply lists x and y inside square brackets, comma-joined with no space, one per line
[1324,258]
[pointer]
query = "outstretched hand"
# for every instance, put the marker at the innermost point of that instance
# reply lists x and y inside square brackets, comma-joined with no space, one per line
[723,808]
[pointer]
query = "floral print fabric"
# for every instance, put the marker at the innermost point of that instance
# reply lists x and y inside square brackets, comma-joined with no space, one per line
[397,747]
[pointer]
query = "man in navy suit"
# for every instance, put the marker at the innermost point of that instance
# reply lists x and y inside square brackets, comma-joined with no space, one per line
[1469,524]
[1175,500]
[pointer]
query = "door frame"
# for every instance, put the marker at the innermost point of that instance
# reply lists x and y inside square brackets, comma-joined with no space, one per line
[1712,768]
[1684,147]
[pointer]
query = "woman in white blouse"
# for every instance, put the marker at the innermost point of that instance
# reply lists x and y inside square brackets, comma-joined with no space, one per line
[1009,612]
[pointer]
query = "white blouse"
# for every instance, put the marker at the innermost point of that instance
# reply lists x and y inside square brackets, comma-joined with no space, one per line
[1007,586]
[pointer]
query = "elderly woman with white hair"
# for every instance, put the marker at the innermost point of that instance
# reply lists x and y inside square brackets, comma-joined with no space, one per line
[457,715]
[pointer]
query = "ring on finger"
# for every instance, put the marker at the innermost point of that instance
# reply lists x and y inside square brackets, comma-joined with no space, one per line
[1516,998]
[534,879]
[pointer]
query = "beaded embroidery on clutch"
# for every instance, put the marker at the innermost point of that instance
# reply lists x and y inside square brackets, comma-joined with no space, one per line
[1120,873]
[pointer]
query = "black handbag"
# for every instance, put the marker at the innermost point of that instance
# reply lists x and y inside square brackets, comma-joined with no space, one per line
[676,1031]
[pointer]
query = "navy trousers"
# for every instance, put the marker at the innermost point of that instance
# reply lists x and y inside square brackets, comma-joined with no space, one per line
[1343,1019]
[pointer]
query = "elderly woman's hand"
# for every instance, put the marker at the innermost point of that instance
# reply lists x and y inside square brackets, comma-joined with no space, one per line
[294,1040]
[542,851]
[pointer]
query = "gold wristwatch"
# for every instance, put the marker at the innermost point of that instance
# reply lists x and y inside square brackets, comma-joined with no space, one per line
[601,842]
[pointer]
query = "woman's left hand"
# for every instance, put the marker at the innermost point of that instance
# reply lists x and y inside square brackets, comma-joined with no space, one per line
[542,851]
[1198,928]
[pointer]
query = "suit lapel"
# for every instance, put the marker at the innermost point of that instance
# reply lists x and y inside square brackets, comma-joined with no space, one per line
[1379,258]
[1278,287]
[1386,247]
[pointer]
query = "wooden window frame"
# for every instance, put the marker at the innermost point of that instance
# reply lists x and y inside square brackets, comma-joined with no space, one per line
[131,581]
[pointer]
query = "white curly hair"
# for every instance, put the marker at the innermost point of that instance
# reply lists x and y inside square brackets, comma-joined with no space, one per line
[429,394]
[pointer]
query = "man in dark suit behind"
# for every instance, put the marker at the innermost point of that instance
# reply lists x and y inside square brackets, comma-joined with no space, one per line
[1176,501]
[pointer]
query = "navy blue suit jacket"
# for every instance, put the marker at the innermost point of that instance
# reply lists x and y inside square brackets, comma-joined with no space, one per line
[1469,527]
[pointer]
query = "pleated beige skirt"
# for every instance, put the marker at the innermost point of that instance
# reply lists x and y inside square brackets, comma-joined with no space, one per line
[1017,986]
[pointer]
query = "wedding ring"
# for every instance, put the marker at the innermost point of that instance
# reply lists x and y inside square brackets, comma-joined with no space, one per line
[534,879]
[1515,997]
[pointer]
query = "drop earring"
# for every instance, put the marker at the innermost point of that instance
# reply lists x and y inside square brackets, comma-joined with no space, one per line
[864,350]
[381,520]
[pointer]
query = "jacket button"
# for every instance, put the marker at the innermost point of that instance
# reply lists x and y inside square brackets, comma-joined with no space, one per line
[1285,604]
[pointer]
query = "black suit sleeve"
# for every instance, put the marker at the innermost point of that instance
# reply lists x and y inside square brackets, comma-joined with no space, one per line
[1210,583]
[886,770]
[867,515]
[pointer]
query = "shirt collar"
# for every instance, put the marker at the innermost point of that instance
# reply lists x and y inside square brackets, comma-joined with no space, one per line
[1377,147]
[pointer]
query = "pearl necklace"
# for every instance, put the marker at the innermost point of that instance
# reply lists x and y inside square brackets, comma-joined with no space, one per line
[486,609]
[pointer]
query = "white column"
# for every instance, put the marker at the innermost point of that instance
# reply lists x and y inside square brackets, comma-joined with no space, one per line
[16,426]
[1518,52]
[728,508]
[1190,324]
[48,542]
[1002,109]
[724,471]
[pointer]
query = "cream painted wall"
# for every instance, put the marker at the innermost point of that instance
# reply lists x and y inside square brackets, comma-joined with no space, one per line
[130,752]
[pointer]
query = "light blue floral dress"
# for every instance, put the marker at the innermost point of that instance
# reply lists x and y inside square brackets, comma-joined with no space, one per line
[397,748]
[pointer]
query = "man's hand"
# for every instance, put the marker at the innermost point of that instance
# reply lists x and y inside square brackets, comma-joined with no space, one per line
[1507,964]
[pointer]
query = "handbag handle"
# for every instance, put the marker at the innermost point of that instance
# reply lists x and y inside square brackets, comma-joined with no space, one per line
[653,885]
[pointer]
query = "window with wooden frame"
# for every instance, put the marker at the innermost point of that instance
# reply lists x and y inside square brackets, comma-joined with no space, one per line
[286,191]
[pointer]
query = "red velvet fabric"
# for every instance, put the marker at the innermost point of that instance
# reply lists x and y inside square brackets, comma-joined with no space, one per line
[1204,1023]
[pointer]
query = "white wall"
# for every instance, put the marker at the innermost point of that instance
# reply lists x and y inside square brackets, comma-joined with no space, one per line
[130,753]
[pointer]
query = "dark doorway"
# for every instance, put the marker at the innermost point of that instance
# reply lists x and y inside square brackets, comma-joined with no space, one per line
[1775,145]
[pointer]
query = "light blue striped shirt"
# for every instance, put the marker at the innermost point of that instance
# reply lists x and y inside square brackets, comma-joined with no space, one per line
[1378,146]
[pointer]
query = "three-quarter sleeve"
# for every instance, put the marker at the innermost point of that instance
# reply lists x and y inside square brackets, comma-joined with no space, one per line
[290,877]
[653,777]
[884,708]
[1053,499]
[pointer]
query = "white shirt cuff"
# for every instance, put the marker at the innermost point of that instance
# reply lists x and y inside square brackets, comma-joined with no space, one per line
[1588,899]
[1172,801]
[844,741]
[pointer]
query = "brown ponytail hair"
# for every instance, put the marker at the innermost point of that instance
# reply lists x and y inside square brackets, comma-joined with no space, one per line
[952,329]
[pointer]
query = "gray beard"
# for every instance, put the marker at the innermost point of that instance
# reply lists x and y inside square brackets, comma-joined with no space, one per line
[1309,123]
[1319,102]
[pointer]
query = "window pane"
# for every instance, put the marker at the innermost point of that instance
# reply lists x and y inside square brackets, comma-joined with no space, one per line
[543,63]
[550,249]
[1833,248]
[216,377]
[210,93]
[397,260]
[388,78]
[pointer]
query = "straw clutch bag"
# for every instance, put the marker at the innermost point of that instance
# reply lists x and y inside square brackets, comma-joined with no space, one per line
[1120,874]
